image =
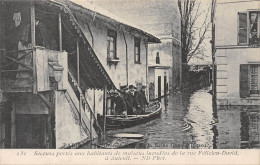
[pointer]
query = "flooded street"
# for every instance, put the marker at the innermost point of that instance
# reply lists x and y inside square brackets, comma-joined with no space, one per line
[189,122]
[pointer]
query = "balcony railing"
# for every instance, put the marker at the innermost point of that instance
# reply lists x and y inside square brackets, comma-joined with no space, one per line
[33,70]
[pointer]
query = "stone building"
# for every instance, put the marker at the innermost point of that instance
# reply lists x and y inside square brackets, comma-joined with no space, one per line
[237,45]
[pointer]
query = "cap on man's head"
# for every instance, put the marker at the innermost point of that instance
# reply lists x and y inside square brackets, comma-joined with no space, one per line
[131,87]
[143,86]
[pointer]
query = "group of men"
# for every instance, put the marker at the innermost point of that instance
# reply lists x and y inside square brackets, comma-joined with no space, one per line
[131,101]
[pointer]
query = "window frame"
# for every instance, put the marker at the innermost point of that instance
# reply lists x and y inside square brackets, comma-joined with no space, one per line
[159,60]
[248,26]
[137,44]
[245,79]
[250,79]
[112,34]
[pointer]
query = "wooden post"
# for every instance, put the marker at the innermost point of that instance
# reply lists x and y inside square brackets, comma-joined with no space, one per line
[104,107]
[60,32]
[33,46]
[33,24]
[2,39]
[78,79]
[80,116]
[49,124]
[13,125]
[53,123]
[90,123]
[94,104]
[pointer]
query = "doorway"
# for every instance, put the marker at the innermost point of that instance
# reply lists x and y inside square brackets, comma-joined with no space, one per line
[165,85]
[31,131]
[159,87]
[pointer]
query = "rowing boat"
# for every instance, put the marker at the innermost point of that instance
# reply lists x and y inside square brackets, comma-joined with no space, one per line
[123,121]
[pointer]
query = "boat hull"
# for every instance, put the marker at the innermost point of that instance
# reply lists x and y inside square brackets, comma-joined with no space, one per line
[118,122]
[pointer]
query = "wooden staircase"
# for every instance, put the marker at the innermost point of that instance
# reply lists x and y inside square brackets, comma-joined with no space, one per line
[81,108]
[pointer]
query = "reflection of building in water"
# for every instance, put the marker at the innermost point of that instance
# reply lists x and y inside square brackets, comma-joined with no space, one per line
[254,128]
[250,128]
[238,127]
[228,128]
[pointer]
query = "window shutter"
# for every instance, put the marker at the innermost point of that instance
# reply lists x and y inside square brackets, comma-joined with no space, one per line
[242,28]
[244,82]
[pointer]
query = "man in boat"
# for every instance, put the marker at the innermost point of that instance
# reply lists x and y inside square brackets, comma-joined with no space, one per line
[119,103]
[130,100]
[141,100]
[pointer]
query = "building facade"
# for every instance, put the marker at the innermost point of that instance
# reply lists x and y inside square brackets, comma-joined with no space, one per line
[158,79]
[161,18]
[53,54]
[237,46]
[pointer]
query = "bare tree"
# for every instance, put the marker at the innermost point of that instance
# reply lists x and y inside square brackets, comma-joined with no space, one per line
[192,36]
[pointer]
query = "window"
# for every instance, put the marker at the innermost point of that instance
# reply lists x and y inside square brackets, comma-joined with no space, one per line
[249,80]
[248,28]
[254,18]
[254,79]
[111,44]
[137,50]
[157,58]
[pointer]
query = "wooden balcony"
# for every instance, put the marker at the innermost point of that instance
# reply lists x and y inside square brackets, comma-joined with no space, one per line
[34,70]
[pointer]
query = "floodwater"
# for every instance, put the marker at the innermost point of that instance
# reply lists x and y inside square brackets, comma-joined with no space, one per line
[188,121]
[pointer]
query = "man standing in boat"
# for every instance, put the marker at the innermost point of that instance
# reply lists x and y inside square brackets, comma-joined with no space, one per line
[130,100]
[141,100]
[120,105]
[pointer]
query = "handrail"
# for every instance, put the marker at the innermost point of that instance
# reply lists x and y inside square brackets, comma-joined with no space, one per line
[84,98]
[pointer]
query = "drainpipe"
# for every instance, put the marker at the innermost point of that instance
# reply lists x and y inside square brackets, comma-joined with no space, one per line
[146,67]
[126,54]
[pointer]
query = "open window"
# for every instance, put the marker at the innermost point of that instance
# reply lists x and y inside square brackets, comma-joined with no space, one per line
[249,28]
[111,44]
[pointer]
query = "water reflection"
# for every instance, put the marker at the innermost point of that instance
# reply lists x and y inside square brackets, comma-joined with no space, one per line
[189,120]
[238,127]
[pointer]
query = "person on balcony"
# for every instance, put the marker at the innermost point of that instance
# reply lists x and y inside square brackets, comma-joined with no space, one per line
[44,36]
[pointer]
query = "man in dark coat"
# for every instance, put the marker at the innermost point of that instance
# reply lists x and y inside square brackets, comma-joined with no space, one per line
[120,105]
[130,100]
[141,100]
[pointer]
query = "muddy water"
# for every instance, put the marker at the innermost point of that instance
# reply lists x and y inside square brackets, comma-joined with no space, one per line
[189,122]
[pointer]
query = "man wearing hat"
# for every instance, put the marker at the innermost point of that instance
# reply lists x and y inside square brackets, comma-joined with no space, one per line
[130,100]
[120,105]
[141,100]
